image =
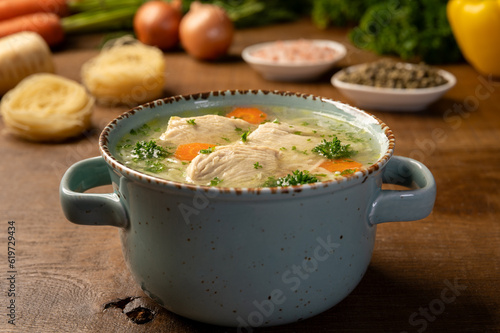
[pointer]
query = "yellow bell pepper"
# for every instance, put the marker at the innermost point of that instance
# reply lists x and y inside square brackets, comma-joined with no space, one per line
[476,27]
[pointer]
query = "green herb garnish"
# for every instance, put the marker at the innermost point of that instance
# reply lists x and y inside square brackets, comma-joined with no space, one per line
[143,130]
[244,136]
[257,165]
[144,150]
[347,172]
[333,149]
[216,181]
[154,166]
[297,177]
[191,121]
[207,151]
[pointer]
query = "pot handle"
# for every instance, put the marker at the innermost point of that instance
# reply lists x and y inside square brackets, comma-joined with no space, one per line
[404,205]
[90,208]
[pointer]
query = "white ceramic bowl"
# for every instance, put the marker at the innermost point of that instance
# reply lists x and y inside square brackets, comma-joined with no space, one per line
[292,71]
[392,99]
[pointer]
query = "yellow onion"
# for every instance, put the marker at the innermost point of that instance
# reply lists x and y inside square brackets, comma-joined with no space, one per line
[206,32]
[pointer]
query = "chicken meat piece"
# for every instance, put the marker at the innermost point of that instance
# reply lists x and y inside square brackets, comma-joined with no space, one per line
[294,142]
[207,129]
[281,135]
[235,165]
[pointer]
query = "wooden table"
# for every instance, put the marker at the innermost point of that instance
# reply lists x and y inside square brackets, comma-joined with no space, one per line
[440,274]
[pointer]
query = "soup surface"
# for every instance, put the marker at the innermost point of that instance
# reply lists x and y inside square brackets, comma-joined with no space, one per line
[248,146]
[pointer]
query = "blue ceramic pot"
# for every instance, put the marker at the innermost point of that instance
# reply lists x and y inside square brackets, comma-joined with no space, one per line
[246,257]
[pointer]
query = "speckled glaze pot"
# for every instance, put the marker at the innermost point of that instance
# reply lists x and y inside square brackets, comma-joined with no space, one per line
[246,257]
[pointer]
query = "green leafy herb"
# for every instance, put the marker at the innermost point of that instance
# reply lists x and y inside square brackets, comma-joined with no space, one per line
[237,129]
[226,139]
[297,177]
[410,29]
[124,145]
[257,165]
[216,181]
[143,130]
[338,12]
[297,132]
[207,151]
[191,121]
[333,149]
[347,172]
[154,166]
[244,136]
[144,150]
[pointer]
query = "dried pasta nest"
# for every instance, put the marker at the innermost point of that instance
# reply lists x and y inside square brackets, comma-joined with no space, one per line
[126,72]
[47,107]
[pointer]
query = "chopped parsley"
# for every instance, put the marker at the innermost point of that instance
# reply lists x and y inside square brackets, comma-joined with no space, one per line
[216,181]
[257,165]
[145,150]
[244,136]
[207,151]
[297,177]
[237,129]
[333,149]
[347,172]
[143,130]
[154,166]
[191,121]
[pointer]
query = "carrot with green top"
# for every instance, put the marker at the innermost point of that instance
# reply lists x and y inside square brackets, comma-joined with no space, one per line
[189,151]
[341,165]
[250,114]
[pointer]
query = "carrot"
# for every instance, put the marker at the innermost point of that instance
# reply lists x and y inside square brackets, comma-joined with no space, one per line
[47,25]
[15,8]
[189,151]
[341,165]
[250,114]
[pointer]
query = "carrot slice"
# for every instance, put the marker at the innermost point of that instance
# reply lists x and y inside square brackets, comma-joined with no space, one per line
[340,165]
[189,151]
[250,114]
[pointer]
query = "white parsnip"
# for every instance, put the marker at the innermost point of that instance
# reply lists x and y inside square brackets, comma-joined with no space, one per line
[21,55]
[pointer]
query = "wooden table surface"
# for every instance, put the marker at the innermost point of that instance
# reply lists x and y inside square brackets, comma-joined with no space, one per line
[440,274]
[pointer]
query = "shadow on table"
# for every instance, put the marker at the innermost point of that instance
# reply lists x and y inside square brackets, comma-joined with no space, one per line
[382,303]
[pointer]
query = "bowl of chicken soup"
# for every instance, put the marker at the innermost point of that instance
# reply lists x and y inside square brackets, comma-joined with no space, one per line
[247,208]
